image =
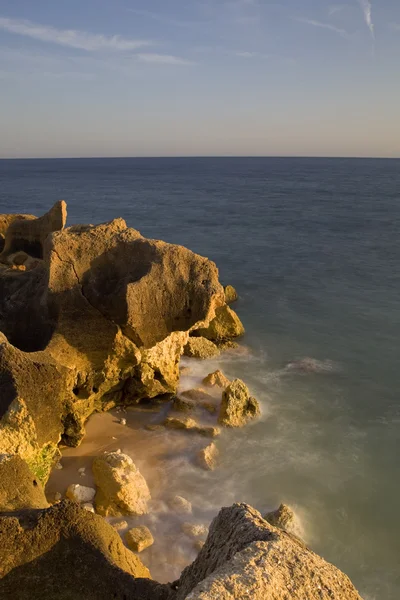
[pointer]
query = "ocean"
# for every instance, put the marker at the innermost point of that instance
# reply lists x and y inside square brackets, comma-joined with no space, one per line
[313,248]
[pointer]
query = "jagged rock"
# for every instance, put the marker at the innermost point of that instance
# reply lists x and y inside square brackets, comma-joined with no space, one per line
[29,235]
[180,505]
[225,326]
[183,405]
[194,530]
[19,488]
[180,423]
[283,517]
[246,557]
[66,553]
[231,294]
[80,493]
[207,457]
[200,347]
[139,538]
[197,394]
[217,379]
[121,488]
[7,220]
[237,406]
[104,317]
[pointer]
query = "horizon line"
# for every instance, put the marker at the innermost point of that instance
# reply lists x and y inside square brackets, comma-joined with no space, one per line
[190,156]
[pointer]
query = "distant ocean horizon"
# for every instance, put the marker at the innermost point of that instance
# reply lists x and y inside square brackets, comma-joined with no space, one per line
[313,247]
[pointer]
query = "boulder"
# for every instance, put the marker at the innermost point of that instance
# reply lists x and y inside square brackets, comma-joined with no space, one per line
[237,406]
[194,530]
[80,493]
[197,395]
[200,347]
[225,326]
[231,294]
[217,379]
[246,557]
[66,553]
[283,517]
[207,458]
[180,423]
[183,405]
[139,538]
[19,488]
[180,505]
[121,488]
[29,235]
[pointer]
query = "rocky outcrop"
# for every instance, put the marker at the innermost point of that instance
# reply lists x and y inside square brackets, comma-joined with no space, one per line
[237,407]
[101,315]
[121,488]
[66,553]
[217,379]
[231,294]
[246,557]
[225,326]
[19,488]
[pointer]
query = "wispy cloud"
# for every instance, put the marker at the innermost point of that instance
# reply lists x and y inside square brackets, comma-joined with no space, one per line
[251,55]
[366,6]
[162,18]
[72,38]
[164,59]
[328,26]
[336,8]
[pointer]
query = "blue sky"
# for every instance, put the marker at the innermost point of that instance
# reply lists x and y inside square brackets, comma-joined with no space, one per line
[199,77]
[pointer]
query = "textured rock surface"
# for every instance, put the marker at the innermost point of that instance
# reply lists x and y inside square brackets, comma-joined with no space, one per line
[237,406]
[194,530]
[67,553]
[207,458]
[100,313]
[197,394]
[200,347]
[139,538]
[225,326]
[19,488]
[180,505]
[244,557]
[283,517]
[217,379]
[121,488]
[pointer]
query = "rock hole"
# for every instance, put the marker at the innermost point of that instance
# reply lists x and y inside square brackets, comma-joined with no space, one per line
[76,391]
[35,483]
[95,389]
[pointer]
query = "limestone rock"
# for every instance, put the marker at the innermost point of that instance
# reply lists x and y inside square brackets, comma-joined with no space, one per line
[200,347]
[225,326]
[231,294]
[80,493]
[184,371]
[139,538]
[89,507]
[19,488]
[194,530]
[217,379]
[29,235]
[246,557]
[207,431]
[7,220]
[121,488]
[180,505]
[237,406]
[207,458]
[283,517]
[180,423]
[120,525]
[197,394]
[183,405]
[66,553]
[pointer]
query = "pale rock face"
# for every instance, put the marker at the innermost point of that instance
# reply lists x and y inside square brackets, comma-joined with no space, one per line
[180,505]
[80,493]
[237,407]
[121,488]
[207,458]
[139,538]
[245,557]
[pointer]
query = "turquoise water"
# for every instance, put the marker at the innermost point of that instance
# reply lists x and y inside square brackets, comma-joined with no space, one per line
[313,247]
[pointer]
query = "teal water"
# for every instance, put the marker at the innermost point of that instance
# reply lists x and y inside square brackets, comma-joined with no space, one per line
[313,247]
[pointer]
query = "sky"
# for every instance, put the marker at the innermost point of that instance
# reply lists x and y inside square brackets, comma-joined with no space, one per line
[199,77]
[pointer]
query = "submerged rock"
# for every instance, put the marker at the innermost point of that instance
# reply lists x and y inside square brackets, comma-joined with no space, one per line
[194,530]
[197,394]
[207,458]
[65,552]
[19,488]
[217,379]
[139,538]
[200,347]
[237,406]
[231,294]
[225,326]
[246,557]
[121,488]
[180,423]
[183,404]
[180,505]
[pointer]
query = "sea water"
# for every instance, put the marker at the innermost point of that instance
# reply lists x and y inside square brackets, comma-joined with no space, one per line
[313,248]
